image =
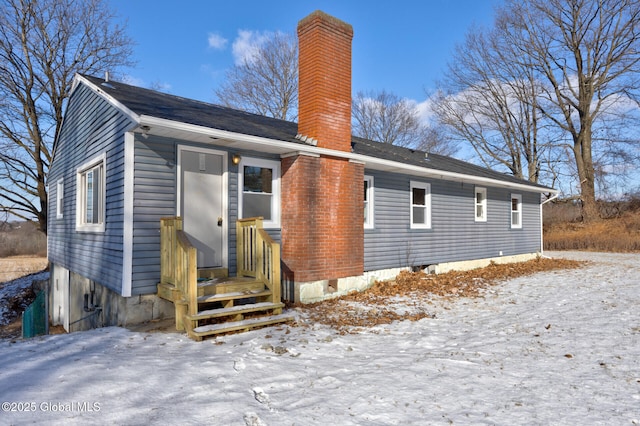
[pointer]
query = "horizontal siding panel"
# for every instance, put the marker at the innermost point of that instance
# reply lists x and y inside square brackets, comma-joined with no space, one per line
[148,213]
[147,289]
[91,127]
[163,182]
[454,235]
[154,198]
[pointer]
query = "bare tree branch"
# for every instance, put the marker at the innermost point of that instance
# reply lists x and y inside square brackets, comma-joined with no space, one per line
[385,117]
[551,75]
[490,103]
[587,52]
[265,83]
[43,44]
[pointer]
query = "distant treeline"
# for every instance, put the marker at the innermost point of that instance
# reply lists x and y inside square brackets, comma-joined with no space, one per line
[617,231]
[21,238]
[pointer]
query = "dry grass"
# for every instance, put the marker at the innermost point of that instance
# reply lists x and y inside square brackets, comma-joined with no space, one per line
[618,232]
[23,250]
[21,238]
[12,268]
[18,266]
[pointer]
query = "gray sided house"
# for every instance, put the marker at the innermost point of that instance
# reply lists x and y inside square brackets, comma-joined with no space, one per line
[345,211]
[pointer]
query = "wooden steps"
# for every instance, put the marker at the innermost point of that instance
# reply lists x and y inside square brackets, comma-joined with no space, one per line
[226,305]
[243,325]
[206,300]
[234,310]
[228,285]
[233,296]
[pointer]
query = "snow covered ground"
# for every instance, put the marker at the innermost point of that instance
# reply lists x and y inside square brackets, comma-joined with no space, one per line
[561,347]
[15,288]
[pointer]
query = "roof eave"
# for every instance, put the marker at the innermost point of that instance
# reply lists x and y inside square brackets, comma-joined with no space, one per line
[285,148]
[113,101]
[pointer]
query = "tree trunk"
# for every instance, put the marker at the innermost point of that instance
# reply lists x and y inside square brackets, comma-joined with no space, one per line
[589,205]
[586,174]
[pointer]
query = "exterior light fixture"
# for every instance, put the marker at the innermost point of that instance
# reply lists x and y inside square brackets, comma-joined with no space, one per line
[145,131]
[235,159]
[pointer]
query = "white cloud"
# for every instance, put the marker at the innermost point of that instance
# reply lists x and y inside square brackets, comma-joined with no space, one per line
[216,41]
[246,45]
[425,111]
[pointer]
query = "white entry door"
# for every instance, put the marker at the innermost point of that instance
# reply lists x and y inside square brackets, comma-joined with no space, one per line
[203,204]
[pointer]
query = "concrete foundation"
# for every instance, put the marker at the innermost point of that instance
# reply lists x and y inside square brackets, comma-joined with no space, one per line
[316,291]
[467,265]
[82,304]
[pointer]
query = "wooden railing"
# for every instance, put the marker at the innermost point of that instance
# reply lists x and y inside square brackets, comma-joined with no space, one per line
[258,255]
[178,266]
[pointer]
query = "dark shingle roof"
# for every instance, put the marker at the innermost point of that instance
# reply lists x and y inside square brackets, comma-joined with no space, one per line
[161,105]
[432,161]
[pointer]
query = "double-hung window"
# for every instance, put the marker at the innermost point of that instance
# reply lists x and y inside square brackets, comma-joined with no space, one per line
[260,190]
[368,202]
[90,203]
[516,211]
[420,205]
[481,204]
[60,199]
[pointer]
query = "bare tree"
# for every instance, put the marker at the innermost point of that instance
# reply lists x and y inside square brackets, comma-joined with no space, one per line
[587,53]
[491,103]
[265,82]
[43,43]
[435,139]
[385,117]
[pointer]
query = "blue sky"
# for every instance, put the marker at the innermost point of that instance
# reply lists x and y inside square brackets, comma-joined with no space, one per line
[400,46]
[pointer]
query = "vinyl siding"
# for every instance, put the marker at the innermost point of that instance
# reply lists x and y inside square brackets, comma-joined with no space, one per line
[91,127]
[154,189]
[454,233]
[155,192]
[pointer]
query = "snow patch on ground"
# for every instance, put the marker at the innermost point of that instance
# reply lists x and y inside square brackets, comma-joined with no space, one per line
[560,347]
[12,289]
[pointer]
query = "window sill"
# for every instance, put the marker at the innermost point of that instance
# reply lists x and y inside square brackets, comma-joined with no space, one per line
[91,228]
[420,227]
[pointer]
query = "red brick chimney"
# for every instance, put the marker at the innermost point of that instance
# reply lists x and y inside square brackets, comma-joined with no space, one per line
[324,89]
[322,196]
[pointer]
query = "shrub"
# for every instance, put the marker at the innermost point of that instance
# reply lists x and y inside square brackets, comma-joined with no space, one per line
[619,232]
[22,238]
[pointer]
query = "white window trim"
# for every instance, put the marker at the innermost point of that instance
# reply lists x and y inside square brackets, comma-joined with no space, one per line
[519,198]
[427,202]
[60,199]
[80,225]
[483,191]
[275,187]
[369,224]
